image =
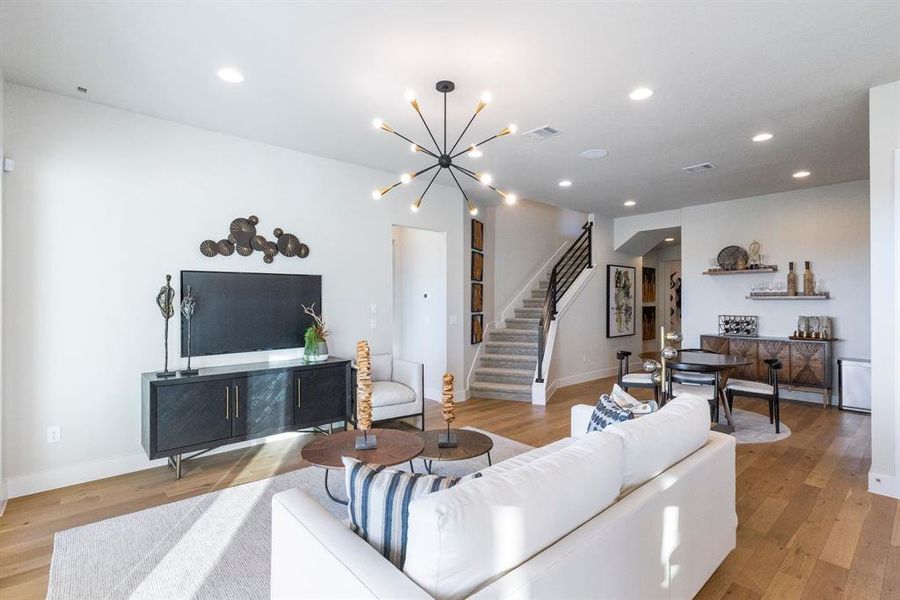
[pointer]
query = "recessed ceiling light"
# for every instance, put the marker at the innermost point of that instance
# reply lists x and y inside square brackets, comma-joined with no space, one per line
[629,203]
[565,183]
[641,93]
[801,174]
[762,137]
[230,74]
[593,154]
[670,239]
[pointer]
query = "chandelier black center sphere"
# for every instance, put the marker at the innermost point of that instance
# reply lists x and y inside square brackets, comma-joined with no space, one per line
[445,157]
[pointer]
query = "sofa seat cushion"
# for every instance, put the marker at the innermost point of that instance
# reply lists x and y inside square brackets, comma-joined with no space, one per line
[379,504]
[754,387]
[388,393]
[465,537]
[657,441]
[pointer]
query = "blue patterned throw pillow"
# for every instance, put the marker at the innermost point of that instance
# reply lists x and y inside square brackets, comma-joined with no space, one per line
[606,413]
[379,503]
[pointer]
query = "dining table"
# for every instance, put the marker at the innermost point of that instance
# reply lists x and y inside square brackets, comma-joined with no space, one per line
[720,365]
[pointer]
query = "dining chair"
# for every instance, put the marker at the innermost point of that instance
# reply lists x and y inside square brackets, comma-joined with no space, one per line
[709,391]
[692,377]
[765,391]
[633,380]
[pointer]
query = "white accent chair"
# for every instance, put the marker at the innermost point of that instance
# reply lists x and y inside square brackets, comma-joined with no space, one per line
[398,389]
[628,380]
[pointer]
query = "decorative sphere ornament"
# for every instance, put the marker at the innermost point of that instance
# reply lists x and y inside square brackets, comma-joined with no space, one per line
[674,336]
[657,378]
[651,366]
[669,353]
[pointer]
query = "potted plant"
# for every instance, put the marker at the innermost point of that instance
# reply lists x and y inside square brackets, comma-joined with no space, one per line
[315,346]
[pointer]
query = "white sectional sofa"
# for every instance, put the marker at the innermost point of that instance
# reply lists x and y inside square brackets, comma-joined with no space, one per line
[644,509]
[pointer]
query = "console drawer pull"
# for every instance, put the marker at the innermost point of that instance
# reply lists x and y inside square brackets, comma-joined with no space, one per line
[237,402]
[227,401]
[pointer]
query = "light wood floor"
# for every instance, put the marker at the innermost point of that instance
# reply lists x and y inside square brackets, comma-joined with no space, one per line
[807,526]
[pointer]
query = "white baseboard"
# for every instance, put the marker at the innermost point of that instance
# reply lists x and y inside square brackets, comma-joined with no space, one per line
[884,485]
[52,479]
[579,378]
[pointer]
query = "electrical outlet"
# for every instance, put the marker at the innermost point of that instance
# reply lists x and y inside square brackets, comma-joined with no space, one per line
[53,434]
[584,358]
[373,309]
[372,323]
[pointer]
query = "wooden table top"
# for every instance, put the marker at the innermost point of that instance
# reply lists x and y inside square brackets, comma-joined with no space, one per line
[701,361]
[394,447]
[469,445]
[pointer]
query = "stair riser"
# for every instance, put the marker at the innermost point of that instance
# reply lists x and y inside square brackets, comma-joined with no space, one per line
[534,303]
[515,379]
[529,325]
[538,293]
[518,350]
[528,313]
[488,361]
[514,335]
[501,396]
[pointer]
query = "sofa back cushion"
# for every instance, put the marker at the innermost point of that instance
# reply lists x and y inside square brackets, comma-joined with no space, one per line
[462,538]
[655,442]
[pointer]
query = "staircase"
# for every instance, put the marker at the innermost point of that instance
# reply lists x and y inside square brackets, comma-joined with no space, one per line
[506,370]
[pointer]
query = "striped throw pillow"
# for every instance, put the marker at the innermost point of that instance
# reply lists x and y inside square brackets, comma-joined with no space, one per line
[379,504]
[606,413]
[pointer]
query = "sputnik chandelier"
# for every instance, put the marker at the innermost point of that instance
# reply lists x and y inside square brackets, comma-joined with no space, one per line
[445,157]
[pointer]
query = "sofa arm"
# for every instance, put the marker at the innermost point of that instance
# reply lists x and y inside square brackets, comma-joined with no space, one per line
[411,375]
[581,416]
[315,556]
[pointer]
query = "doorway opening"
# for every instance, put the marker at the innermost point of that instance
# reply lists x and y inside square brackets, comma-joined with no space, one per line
[420,302]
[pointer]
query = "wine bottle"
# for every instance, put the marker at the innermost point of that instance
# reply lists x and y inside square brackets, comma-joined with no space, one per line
[809,284]
[791,280]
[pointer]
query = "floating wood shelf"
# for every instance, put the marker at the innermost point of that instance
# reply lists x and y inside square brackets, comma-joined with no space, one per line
[825,296]
[762,269]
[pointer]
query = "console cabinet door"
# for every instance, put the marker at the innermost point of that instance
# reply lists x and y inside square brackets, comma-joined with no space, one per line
[320,395]
[775,349]
[716,344]
[262,404]
[808,364]
[193,413]
[749,349]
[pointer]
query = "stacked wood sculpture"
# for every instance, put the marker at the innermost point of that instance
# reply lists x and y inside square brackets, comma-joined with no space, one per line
[448,407]
[363,386]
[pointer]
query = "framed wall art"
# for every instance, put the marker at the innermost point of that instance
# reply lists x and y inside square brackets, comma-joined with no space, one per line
[648,323]
[477,266]
[477,297]
[477,235]
[648,287]
[477,328]
[620,300]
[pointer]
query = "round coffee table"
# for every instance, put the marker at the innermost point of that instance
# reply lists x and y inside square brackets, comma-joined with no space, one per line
[469,445]
[394,447]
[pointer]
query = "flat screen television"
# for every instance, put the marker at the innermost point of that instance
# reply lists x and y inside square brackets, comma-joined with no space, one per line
[246,312]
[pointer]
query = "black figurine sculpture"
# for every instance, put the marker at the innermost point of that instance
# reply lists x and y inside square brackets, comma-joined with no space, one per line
[164,302]
[188,304]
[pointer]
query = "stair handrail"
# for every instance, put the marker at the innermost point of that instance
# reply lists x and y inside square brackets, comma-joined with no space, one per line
[569,266]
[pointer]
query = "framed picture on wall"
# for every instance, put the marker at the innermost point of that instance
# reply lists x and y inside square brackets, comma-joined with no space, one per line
[477,328]
[477,235]
[648,323]
[648,285]
[477,297]
[620,300]
[477,266]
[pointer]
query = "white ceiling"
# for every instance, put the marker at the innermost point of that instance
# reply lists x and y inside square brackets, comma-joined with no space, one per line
[317,73]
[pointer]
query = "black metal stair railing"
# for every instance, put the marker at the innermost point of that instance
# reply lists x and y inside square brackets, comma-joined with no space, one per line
[576,259]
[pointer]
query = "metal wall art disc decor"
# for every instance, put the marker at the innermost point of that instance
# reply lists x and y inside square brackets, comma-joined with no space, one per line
[732,257]
[243,239]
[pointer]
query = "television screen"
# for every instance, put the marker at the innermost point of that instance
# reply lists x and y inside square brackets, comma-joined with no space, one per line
[246,312]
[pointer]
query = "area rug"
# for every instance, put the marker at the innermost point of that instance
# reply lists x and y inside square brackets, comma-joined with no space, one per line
[212,546]
[754,428]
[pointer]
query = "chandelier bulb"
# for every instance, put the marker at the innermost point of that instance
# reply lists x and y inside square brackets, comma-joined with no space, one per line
[415,205]
[376,195]
[474,152]
[510,197]
[379,124]
[413,147]
[486,178]
[406,178]
[483,101]
[473,210]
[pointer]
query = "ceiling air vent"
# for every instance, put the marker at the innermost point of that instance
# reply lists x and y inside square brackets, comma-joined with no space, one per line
[541,133]
[697,168]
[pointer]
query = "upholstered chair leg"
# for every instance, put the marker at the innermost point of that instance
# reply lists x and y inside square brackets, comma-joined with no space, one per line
[771,410]
[777,415]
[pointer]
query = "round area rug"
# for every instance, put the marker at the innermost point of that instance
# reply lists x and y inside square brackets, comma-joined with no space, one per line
[754,428]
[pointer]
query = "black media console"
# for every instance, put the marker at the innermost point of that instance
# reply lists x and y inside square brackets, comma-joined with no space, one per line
[224,405]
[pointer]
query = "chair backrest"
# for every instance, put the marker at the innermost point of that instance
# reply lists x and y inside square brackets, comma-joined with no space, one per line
[775,365]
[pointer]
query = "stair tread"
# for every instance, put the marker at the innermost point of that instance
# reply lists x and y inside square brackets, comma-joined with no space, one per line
[511,357]
[504,371]
[513,331]
[520,319]
[514,344]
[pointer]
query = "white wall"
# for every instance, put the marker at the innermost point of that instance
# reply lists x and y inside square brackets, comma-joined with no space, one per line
[420,302]
[582,351]
[884,169]
[525,236]
[2,210]
[104,203]
[487,217]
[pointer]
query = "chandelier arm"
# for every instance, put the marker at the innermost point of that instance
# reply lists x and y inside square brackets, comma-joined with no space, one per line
[445,123]
[469,124]
[465,171]
[427,128]
[386,190]
[427,169]
[476,145]
[419,146]
[427,187]
[461,191]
